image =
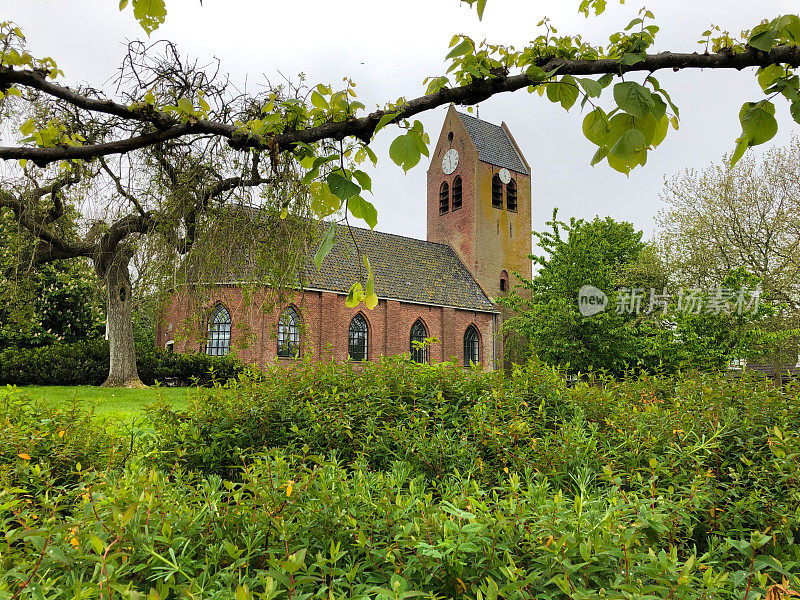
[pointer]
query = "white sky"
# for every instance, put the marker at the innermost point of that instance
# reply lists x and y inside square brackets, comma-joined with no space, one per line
[388,48]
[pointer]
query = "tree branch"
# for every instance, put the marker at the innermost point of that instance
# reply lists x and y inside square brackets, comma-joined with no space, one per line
[362,128]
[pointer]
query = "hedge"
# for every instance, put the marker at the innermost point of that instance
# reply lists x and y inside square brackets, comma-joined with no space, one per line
[86,363]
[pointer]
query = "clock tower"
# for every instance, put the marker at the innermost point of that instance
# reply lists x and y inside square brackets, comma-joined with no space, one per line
[479,200]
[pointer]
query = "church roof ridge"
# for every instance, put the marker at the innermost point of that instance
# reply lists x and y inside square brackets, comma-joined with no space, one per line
[493,143]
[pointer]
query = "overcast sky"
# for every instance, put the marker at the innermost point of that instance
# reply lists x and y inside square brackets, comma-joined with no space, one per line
[388,48]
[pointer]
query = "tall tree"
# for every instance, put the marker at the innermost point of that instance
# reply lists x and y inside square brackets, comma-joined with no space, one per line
[164,199]
[722,218]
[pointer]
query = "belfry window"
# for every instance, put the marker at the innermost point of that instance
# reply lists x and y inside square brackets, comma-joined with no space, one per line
[472,346]
[419,352]
[511,196]
[457,193]
[358,338]
[503,281]
[497,191]
[218,342]
[289,334]
[444,198]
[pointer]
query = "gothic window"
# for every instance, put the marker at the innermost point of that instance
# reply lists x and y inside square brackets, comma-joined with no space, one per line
[219,332]
[497,191]
[503,281]
[358,338]
[444,198]
[511,196]
[418,334]
[289,334]
[472,346]
[457,193]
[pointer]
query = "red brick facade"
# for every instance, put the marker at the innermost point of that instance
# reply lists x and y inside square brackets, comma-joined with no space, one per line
[488,240]
[325,323]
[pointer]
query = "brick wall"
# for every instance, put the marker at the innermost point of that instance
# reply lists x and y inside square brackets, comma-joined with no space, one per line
[325,322]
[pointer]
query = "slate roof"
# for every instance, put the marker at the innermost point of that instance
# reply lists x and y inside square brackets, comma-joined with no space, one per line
[493,144]
[404,269]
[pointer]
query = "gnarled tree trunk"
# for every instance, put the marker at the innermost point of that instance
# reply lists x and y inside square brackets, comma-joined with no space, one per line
[122,370]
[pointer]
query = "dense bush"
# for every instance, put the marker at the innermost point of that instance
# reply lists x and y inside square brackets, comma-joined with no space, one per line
[86,363]
[408,480]
[676,436]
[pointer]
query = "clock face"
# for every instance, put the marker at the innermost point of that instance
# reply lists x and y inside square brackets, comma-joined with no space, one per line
[450,161]
[505,176]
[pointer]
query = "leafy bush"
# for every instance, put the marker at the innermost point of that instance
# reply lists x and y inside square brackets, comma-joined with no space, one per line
[59,443]
[410,480]
[299,526]
[676,436]
[86,363]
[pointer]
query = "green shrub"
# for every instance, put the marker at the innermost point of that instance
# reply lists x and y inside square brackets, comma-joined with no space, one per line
[299,526]
[57,443]
[86,363]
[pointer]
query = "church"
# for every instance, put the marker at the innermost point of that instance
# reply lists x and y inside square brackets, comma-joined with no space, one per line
[478,231]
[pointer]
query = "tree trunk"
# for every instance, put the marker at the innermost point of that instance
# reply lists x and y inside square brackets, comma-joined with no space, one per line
[122,370]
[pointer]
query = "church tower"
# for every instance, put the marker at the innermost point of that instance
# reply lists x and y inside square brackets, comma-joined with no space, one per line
[479,200]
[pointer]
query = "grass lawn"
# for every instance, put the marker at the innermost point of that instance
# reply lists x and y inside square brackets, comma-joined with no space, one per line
[110,403]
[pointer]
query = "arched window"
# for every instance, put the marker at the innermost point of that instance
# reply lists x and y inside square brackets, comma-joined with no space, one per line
[497,191]
[472,346]
[358,337]
[219,332]
[511,195]
[503,281]
[457,193]
[418,334]
[444,198]
[289,334]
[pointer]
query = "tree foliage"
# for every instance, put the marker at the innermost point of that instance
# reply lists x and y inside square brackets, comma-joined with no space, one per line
[629,334]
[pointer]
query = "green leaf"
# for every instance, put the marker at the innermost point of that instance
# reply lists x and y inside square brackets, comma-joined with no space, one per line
[123,4]
[370,297]
[795,110]
[185,106]
[481,7]
[596,127]
[97,544]
[742,144]
[323,201]
[318,101]
[592,88]
[384,120]
[631,58]
[405,152]
[628,145]
[150,14]
[601,153]
[354,296]
[341,186]
[633,98]
[758,121]
[763,40]
[363,209]
[326,245]
[464,47]
[564,91]
[363,180]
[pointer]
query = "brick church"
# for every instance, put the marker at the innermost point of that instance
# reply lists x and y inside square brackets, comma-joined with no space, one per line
[479,231]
